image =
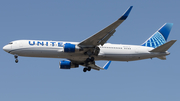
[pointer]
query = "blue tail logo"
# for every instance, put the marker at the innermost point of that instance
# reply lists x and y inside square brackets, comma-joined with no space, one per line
[159,37]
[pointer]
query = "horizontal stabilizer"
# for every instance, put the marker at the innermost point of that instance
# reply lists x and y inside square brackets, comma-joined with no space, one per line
[164,47]
[162,57]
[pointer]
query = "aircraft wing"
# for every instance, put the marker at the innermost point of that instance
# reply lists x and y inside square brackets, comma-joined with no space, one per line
[102,36]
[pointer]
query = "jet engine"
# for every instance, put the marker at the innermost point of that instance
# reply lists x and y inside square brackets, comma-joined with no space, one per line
[65,64]
[71,48]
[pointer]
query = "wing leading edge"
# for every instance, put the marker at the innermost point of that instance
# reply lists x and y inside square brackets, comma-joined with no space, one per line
[102,36]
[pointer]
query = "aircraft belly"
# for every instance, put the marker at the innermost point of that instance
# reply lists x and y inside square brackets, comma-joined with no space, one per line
[119,57]
[128,57]
[126,53]
[36,52]
[48,53]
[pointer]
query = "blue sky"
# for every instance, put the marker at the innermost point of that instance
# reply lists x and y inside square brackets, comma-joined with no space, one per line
[41,79]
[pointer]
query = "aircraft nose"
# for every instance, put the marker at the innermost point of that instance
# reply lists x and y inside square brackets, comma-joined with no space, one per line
[7,48]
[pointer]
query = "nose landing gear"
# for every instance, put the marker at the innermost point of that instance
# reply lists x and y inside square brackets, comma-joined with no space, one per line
[16,57]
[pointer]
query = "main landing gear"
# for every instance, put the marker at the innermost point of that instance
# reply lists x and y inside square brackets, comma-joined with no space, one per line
[87,68]
[93,51]
[16,57]
[89,60]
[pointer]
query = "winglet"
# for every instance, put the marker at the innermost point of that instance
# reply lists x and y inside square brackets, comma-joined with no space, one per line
[107,65]
[126,13]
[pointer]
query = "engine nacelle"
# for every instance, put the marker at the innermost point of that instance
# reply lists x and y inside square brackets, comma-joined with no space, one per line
[71,48]
[67,65]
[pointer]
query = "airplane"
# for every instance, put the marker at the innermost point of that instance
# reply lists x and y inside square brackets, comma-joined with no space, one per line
[94,48]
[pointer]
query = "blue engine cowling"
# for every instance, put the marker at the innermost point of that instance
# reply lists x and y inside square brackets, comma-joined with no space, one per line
[67,65]
[68,47]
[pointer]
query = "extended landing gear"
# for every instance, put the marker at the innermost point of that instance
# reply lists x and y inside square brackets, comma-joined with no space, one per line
[16,60]
[16,56]
[90,52]
[87,68]
[90,59]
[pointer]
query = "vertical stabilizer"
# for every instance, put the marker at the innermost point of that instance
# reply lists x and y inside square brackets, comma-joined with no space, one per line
[159,37]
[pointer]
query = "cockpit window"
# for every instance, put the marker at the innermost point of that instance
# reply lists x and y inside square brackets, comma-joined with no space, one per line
[10,43]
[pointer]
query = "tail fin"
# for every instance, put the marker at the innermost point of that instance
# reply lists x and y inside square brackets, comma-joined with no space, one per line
[159,37]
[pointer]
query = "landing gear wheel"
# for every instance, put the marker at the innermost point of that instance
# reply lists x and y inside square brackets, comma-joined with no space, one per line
[85,69]
[90,59]
[15,56]
[89,68]
[16,60]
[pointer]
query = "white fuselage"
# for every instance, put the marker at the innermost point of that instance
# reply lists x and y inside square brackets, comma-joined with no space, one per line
[55,49]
